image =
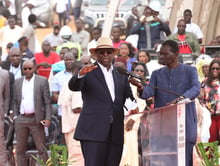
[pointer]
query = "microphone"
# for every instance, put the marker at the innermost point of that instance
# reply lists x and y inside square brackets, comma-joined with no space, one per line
[143,81]
[126,72]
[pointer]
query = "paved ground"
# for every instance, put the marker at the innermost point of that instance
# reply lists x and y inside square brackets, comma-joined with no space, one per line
[42,32]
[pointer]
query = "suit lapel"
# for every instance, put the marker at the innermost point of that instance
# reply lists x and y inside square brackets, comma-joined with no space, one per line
[35,88]
[115,78]
[20,89]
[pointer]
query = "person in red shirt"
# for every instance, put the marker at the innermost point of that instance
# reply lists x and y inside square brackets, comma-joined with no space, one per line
[45,59]
[116,34]
[187,41]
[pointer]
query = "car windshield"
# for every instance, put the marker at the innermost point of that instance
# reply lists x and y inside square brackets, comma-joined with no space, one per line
[127,2]
[99,2]
[104,2]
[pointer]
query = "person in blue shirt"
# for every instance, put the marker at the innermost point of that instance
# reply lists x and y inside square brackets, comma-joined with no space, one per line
[179,79]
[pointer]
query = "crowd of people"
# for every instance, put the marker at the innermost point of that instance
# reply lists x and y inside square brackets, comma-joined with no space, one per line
[75,77]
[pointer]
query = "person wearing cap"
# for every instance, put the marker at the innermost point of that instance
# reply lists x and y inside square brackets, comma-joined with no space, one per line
[100,128]
[155,6]
[149,28]
[66,35]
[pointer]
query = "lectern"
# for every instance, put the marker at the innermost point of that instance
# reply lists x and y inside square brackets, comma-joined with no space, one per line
[162,136]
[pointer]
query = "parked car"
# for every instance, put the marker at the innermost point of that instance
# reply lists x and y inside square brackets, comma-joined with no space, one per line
[95,11]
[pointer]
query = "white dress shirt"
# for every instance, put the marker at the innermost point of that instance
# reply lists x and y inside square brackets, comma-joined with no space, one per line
[16,71]
[27,101]
[109,80]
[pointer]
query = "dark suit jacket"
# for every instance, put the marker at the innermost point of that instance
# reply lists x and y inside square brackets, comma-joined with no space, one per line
[6,64]
[4,92]
[130,22]
[100,114]
[41,98]
[12,80]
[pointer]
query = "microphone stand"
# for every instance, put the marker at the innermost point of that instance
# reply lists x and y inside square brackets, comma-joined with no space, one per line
[162,89]
[180,99]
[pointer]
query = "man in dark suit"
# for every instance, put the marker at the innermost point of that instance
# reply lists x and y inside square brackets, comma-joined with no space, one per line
[11,81]
[4,107]
[32,111]
[100,127]
[13,62]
